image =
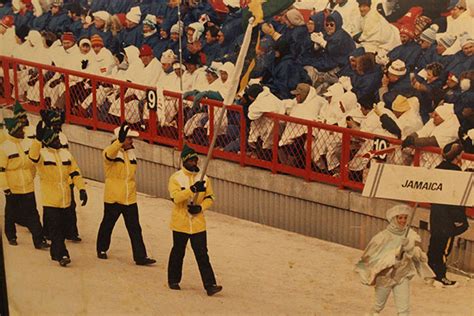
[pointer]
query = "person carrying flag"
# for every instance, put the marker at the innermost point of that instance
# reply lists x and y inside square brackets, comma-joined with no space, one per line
[187,221]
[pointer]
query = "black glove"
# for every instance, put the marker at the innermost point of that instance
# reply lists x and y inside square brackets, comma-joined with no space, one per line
[40,129]
[7,192]
[198,186]
[123,132]
[407,142]
[194,209]
[83,197]
[84,63]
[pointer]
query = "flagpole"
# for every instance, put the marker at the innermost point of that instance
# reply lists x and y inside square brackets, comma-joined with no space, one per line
[180,48]
[229,97]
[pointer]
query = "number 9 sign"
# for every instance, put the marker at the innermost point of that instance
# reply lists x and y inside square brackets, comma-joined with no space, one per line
[151,99]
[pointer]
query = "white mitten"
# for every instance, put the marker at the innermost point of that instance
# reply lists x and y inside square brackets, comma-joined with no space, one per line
[345,81]
[379,107]
[382,59]
[318,38]
[470,133]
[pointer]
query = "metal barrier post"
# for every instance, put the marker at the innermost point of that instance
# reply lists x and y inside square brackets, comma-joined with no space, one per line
[180,122]
[416,157]
[6,79]
[122,103]
[243,137]
[276,132]
[94,103]
[41,87]
[15,79]
[210,109]
[309,145]
[67,92]
[345,157]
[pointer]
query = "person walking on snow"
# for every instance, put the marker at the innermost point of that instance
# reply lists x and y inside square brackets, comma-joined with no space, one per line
[187,221]
[55,166]
[16,180]
[391,259]
[120,195]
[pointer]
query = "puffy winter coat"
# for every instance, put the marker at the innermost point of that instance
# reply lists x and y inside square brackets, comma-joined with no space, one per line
[16,170]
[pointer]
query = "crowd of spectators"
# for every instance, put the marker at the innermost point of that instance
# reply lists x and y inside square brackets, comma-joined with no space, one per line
[401,69]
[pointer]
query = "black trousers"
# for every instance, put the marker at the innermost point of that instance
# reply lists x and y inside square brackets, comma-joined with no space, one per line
[130,216]
[71,220]
[199,245]
[21,209]
[56,218]
[438,251]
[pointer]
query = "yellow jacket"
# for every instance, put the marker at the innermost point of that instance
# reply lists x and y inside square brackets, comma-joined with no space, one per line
[120,167]
[55,167]
[178,186]
[16,169]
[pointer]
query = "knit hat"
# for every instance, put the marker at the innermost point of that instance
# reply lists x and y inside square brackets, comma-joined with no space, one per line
[429,35]
[50,135]
[145,50]
[7,21]
[212,70]
[96,40]
[187,153]
[397,68]
[192,59]
[176,29]
[465,38]
[198,30]
[400,209]
[134,15]
[400,104]
[58,3]
[447,40]
[301,89]
[85,41]
[103,15]
[254,90]
[68,36]
[168,57]
[18,110]
[150,20]
[51,117]
[452,150]
[408,31]
[295,17]
[445,111]
[13,125]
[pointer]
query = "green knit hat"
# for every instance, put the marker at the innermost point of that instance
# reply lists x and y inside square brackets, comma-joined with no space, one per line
[13,125]
[18,110]
[49,136]
[187,153]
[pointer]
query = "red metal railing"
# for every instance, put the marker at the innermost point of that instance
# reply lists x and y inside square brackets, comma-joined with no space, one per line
[307,156]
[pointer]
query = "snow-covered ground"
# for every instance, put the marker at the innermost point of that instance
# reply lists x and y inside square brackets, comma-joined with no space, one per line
[264,271]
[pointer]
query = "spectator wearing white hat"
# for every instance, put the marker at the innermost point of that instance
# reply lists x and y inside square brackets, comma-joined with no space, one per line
[396,80]
[150,35]
[427,41]
[101,27]
[194,32]
[55,20]
[439,131]
[458,22]
[133,32]
[463,60]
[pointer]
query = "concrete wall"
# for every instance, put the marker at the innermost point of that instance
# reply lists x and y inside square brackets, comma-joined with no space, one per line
[254,194]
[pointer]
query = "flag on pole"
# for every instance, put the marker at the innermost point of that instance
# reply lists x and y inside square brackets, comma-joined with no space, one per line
[260,10]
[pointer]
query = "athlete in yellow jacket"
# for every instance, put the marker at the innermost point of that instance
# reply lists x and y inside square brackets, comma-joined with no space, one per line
[187,221]
[120,195]
[16,181]
[55,165]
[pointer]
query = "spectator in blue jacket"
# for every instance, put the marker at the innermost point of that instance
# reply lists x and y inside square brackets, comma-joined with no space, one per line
[395,81]
[211,45]
[427,41]
[336,45]
[150,35]
[132,34]
[101,28]
[55,20]
[409,50]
